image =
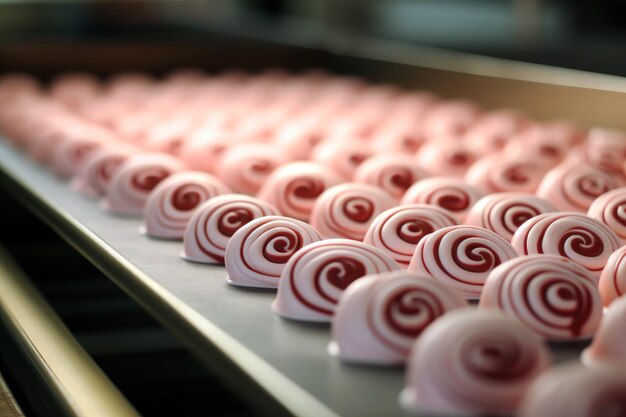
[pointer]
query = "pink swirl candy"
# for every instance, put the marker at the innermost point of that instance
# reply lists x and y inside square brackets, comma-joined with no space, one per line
[610,209]
[135,179]
[575,391]
[450,117]
[341,155]
[473,362]
[447,157]
[404,138]
[316,276]
[504,213]
[392,172]
[448,193]
[300,139]
[257,253]
[94,177]
[572,235]
[552,295]
[538,144]
[70,155]
[244,168]
[379,317]
[347,210]
[204,149]
[497,173]
[214,223]
[461,257]
[573,187]
[74,89]
[172,203]
[608,348]
[397,231]
[612,283]
[294,187]
[606,149]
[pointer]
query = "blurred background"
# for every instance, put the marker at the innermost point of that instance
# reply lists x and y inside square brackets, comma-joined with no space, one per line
[573,34]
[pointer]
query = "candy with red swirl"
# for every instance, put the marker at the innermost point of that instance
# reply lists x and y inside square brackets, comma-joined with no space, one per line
[608,348]
[342,155]
[446,157]
[575,391]
[573,187]
[450,117]
[99,168]
[299,139]
[461,257]
[214,223]
[347,210]
[172,203]
[70,155]
[572,235]
[397,231]
[552,295]
[134,180]
[244,168]
[393,173]
[400,137]
[494,130]
[538,144]
[295,187]
[204,149]
[473,362]
[257,253]
[497,173]
[606,149]
[504,213]
[610,209]
[612,283]
[379,317]
[451,194]
[317,275]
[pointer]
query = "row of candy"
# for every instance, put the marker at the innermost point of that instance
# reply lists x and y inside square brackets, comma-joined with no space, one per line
[454,243]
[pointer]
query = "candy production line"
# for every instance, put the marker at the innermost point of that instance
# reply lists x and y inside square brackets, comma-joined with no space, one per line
[188,222]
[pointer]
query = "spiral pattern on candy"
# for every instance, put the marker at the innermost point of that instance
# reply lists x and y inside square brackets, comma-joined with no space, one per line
[448,193]
[95,175]
[214,223]
[397,231]
[392,172]
[498,173]
[172,203]
[572,235]
[504,213]
[135,179]
[347,210]
[316,276]
[379,317]
[576,391]
[294,188]
[610,209]
[244,168]
[473,362]
[612,283]
[257,253]
[461,257]
[70,155]
[552,295]
[573,187]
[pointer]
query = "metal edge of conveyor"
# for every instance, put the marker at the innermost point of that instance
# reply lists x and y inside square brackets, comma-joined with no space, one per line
[76,384]
[8,405]
[245,373]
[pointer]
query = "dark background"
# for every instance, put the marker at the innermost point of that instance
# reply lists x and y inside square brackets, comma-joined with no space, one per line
[575,34]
